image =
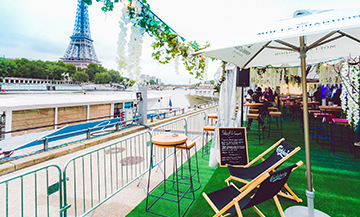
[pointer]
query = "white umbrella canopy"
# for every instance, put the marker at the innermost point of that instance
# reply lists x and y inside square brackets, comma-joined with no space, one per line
[308,37]
[280,43]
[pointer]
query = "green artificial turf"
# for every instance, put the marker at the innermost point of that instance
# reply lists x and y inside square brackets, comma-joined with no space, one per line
[335,178]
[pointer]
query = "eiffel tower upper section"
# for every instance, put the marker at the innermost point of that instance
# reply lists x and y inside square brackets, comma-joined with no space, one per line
[81,51]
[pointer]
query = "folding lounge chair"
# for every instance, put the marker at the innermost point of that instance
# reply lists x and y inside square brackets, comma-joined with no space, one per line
[282,152]
[232,200]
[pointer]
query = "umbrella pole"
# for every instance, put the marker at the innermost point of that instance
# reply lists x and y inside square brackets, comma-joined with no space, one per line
[309,211]
[309,193]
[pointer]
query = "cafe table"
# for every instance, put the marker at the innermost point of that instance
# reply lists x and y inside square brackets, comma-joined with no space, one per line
[335,110]
[173,189]
[329,108]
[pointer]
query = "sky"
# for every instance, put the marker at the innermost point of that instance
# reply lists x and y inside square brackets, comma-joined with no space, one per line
[41,29]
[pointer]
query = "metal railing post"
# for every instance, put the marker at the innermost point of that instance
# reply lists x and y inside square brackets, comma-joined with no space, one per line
[88,133]
[46,143]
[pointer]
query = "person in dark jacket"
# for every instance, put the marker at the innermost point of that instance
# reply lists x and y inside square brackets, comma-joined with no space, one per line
[255,97]
[336,97]
[318,95]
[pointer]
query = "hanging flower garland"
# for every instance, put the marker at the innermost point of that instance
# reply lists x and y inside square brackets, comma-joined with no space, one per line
[275,76]
[122,43]
[350,94]
[168,44]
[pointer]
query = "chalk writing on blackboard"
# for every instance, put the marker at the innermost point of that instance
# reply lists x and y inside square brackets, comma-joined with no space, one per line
[233,146]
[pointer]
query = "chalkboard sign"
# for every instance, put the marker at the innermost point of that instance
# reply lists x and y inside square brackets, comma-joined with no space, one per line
[233,146]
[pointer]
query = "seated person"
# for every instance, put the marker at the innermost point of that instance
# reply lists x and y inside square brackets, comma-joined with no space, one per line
[318,95]
[255,97]
[336,97]
[269,97]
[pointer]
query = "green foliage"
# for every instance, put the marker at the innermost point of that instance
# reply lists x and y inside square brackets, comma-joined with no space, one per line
[102,78]
[91,70]
[25,68]
[115,76]
[55,70]
[152,82]
[71,69]
[7,67]
[80,76]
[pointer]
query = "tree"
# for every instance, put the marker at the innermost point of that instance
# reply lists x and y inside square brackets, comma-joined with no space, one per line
[7,67]
[55,71]
[71,69]
[115,76]
[102,78]
[80,76]
[91,70]
[152,82]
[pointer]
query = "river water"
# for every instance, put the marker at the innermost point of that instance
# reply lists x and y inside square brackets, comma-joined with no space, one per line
[177,97]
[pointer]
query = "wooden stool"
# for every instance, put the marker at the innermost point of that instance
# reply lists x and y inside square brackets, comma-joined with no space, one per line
[343,135]
[276,115]
[256,117]
[321,129]
[206,147]
[253,111]
[272,109]
[212,117]
[289,105]
[311,121]
[187,147]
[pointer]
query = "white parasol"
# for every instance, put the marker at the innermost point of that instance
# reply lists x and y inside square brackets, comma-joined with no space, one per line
[308,37]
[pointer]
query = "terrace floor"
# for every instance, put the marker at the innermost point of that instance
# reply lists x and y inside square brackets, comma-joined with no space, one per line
[335,178]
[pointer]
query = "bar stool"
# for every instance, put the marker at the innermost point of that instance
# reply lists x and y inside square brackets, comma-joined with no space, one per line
[256,117]
[272,109]
[253,111]
[320,127]
[205,146]
[182,196]
[276,115]
[342,135]
[184,169]
[289,106]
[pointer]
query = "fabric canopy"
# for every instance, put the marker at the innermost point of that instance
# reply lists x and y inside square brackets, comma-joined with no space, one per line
[279,44]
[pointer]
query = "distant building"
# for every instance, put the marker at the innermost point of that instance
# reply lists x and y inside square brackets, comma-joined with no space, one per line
[142,78]
[153,78]
[158,80]
[147,78]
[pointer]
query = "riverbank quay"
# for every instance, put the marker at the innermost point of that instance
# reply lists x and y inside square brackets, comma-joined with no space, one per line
[19,164]
[77,183]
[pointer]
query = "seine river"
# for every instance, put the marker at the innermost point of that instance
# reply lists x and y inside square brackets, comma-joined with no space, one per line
[177,97]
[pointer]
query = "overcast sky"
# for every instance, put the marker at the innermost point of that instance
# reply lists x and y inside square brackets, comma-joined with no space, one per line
[41,29]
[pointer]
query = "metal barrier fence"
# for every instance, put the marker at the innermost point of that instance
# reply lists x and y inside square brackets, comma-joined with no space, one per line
[91,178]
[34,193]
[96,176]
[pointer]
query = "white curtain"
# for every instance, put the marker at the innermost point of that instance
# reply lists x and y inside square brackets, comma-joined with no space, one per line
[226,111]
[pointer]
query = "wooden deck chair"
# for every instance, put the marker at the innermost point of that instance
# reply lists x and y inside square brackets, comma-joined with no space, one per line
[282,151]
[230,199]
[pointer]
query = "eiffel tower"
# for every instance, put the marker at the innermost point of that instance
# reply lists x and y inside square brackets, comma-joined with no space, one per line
[81,51]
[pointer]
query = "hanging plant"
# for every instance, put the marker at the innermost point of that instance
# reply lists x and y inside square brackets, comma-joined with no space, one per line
[168,44]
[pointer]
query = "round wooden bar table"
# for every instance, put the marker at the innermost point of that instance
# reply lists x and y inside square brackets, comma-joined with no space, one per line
[167,140]
[181,193]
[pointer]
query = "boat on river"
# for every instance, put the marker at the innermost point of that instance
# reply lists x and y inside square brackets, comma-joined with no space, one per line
[201,94]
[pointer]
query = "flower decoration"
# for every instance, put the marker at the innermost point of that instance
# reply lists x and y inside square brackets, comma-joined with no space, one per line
[168,45]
